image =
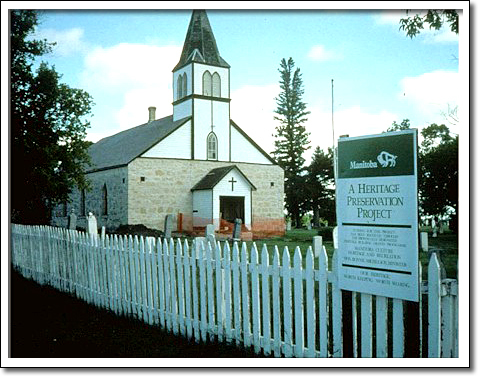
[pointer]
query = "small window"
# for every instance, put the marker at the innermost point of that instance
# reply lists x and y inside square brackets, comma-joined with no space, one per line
[104,208]
[142,178]
[216,85]
[212,146]
[207,83]
[185,85]
[180,87]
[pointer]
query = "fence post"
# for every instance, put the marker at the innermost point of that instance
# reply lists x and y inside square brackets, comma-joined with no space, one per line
[434,307]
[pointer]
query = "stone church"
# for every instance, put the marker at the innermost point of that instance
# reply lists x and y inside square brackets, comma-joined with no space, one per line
[196,164]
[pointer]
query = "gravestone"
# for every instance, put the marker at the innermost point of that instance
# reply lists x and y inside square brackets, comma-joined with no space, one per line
[309,226]
[72,220]
[197,242]
[92,224]
[210,228]
[317,245]
[168,226]
[103,232]
[441,226]
[288,226]
[236,232]
[434,228]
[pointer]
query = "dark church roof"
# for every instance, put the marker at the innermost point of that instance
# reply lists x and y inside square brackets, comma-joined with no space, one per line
[214,176]
[200,44]
[121,148]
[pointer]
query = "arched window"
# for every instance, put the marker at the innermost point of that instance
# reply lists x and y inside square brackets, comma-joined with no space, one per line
[212,146]
[185,85]
[206,83]
[104,209]
[83,203]
[216,85]
[180,87]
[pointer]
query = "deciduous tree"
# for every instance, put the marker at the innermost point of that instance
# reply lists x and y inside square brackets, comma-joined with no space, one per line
[48,127]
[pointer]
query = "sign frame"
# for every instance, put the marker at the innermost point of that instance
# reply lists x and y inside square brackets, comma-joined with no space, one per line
[377,214]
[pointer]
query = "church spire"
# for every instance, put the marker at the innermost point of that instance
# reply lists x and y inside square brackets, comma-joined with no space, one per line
[200,44]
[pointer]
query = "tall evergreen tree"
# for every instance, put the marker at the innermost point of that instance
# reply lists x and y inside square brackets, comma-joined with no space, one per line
[48,147]
[291,137]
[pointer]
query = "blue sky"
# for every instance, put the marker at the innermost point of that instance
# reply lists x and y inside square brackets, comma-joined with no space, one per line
[124,58]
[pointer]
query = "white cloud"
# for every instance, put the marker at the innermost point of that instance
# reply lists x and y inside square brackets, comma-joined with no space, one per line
[432,93]
[133,77]
[390,17]
[319,53]
[68,42]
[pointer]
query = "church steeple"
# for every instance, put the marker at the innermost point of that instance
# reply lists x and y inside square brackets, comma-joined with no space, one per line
[200,44]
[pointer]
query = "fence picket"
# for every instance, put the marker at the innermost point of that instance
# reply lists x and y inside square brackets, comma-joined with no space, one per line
[132,274]
[187,290]
[167,286]
[180,283]
[287,303]
[381,304]
[310,301]
[219,292]
[194,286]
[336,310]
[154,278]
[210,291]
[256,308]
[245,296]
[149,280]
[323,303]
[237,294]
[203,290]
[398,329]
[434,307]
[266,315]
[160,271]
[276,304]
[227,292]
[298,305]
[366,325]
[172,276]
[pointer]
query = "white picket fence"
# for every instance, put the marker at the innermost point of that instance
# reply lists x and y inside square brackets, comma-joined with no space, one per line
[239,295]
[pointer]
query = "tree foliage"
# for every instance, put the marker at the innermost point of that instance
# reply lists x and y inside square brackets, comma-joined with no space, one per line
[435,19]
[291,137]
[438,183]
[48,147]
[320,189]
[438,168]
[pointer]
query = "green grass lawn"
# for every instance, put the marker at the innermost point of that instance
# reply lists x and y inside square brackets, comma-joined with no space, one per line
[302,238]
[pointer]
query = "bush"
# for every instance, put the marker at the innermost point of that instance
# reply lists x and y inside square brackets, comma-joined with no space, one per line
[326,233]
[140,230]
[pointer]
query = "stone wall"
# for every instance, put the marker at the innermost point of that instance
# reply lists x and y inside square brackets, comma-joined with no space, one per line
[158,187]
[116,181]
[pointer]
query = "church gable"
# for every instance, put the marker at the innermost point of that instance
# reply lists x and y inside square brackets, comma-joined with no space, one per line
[176,145]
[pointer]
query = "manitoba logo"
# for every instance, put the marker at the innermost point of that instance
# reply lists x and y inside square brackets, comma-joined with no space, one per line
[386,159]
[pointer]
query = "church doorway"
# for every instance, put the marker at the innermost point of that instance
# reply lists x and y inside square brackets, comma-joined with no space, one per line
[231,207]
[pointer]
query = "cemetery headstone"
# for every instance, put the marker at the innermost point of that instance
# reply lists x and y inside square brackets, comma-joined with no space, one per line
[72,220]
[168,226]
[92,224]
[288,226]
[210,228]
[309,226]
[434,228]
[441,226]
[197,246]
[317,245]
[236,233]
[103,232]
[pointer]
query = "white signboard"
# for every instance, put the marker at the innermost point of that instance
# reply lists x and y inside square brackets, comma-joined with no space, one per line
[377,214]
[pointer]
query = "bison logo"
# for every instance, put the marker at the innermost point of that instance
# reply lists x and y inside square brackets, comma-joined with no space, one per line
[386,159]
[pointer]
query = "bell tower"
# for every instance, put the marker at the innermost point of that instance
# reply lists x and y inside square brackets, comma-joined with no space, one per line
[201,90]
